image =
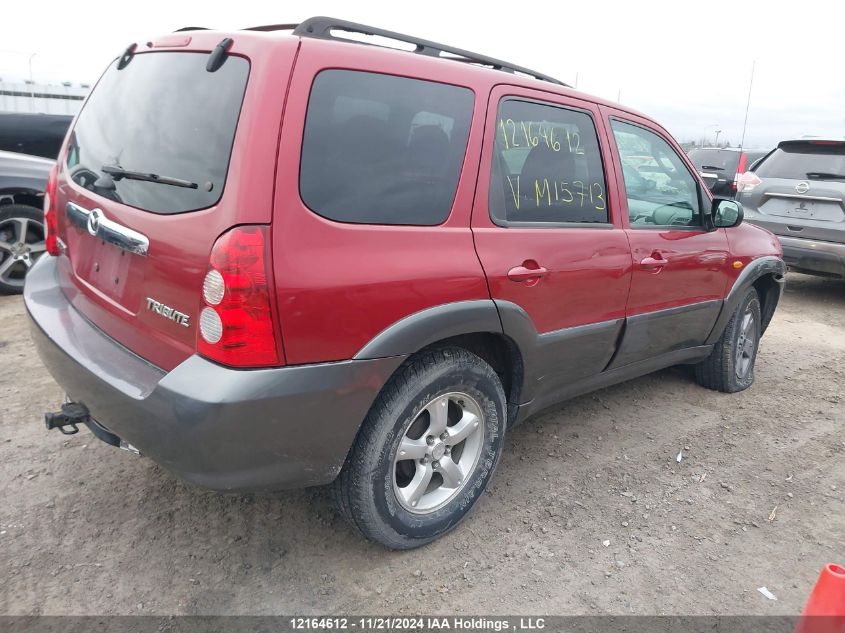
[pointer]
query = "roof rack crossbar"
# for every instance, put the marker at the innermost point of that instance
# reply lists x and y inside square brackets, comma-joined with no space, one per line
[321,27]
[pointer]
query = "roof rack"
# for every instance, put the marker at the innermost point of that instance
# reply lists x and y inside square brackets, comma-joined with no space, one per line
[322,27]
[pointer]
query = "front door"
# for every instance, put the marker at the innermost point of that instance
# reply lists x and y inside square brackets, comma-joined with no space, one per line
[548,232]
[680,267]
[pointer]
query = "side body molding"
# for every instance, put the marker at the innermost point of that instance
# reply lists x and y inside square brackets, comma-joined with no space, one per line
[415,331]
[754,270]
[550,360]
[555,359]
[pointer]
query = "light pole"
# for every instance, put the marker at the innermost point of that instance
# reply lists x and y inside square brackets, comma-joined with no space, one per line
[704,135]
[717,137]
[32,82]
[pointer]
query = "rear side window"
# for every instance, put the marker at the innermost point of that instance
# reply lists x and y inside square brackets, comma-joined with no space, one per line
[162,115]
[805,160]
[546,166]
[380,149]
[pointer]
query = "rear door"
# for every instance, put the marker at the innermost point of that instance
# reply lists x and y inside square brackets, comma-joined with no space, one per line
[143,187]
[801,192]
[680,267]
[548,233]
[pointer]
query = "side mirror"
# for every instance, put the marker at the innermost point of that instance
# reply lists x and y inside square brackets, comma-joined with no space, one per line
[726,213]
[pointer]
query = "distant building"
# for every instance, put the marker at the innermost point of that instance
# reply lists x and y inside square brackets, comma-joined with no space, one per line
[23,96]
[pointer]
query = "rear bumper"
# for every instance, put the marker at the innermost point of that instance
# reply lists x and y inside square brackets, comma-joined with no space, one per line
[216,427]
[814,256]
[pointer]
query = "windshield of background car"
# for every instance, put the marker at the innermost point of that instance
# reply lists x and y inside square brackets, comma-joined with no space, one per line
[162,114]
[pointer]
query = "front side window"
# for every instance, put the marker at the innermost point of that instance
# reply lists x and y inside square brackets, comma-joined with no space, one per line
[157,135]
[659,188]
[547,166]
[379,149]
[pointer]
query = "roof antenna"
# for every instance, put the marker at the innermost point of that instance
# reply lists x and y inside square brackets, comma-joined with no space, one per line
[218,55]
[124,60]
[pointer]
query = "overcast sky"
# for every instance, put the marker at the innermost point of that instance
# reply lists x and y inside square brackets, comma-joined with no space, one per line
[687,64]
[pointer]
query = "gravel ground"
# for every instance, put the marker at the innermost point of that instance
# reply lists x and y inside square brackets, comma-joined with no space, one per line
[589,511]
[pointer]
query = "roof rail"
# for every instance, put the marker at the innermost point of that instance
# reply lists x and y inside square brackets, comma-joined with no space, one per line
[273,27]
[322,27]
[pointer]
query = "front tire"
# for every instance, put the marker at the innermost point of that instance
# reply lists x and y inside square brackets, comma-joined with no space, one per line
[426,450]
[730,366]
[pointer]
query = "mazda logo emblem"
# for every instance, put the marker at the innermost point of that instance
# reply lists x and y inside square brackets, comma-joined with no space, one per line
[802,187]
[94,221]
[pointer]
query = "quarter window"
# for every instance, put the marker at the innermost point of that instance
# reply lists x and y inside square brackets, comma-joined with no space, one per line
[547,166]
[380,149]
[659,188]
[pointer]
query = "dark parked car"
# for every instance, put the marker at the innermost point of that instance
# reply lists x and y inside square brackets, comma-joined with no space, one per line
[295,259]
[22,183]
[720,168]
[798,193]
[33,134]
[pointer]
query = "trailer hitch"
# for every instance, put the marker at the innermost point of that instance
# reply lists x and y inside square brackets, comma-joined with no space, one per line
[71,415]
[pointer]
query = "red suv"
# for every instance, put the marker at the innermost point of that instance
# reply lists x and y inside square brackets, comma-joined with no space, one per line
[291,259]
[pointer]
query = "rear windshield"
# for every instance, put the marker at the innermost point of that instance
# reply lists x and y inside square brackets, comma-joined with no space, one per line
[163,115]
[802,161]
[380,149]
[715,160]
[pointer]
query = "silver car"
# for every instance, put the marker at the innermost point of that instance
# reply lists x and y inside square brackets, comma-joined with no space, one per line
[797,191]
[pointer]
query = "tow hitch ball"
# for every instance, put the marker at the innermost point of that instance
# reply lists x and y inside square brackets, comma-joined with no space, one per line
[66,420]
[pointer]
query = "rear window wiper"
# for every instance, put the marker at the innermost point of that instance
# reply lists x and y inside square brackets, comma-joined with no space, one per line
[118,173]
[823,175]
[713,167]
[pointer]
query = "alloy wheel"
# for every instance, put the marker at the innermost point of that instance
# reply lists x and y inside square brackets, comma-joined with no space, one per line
[438,452]
[21,244]
[745,345]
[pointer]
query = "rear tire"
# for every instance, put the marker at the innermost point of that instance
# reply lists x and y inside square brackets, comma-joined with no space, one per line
[730,366]
[426,451]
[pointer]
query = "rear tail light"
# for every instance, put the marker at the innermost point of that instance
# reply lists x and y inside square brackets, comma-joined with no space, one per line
[740,169]
[747,182]
[237,324]
[51,226]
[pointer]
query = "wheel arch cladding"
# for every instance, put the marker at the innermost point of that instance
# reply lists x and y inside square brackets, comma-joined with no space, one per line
[501,353]
[471,325]
[766,275]
[769,288]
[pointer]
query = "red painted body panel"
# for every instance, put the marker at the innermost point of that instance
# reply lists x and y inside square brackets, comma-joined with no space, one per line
[341,284]
[696,270]
[749,242]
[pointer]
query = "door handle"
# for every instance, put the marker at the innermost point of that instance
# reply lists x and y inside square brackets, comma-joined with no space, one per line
[527,273]
[654,263]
